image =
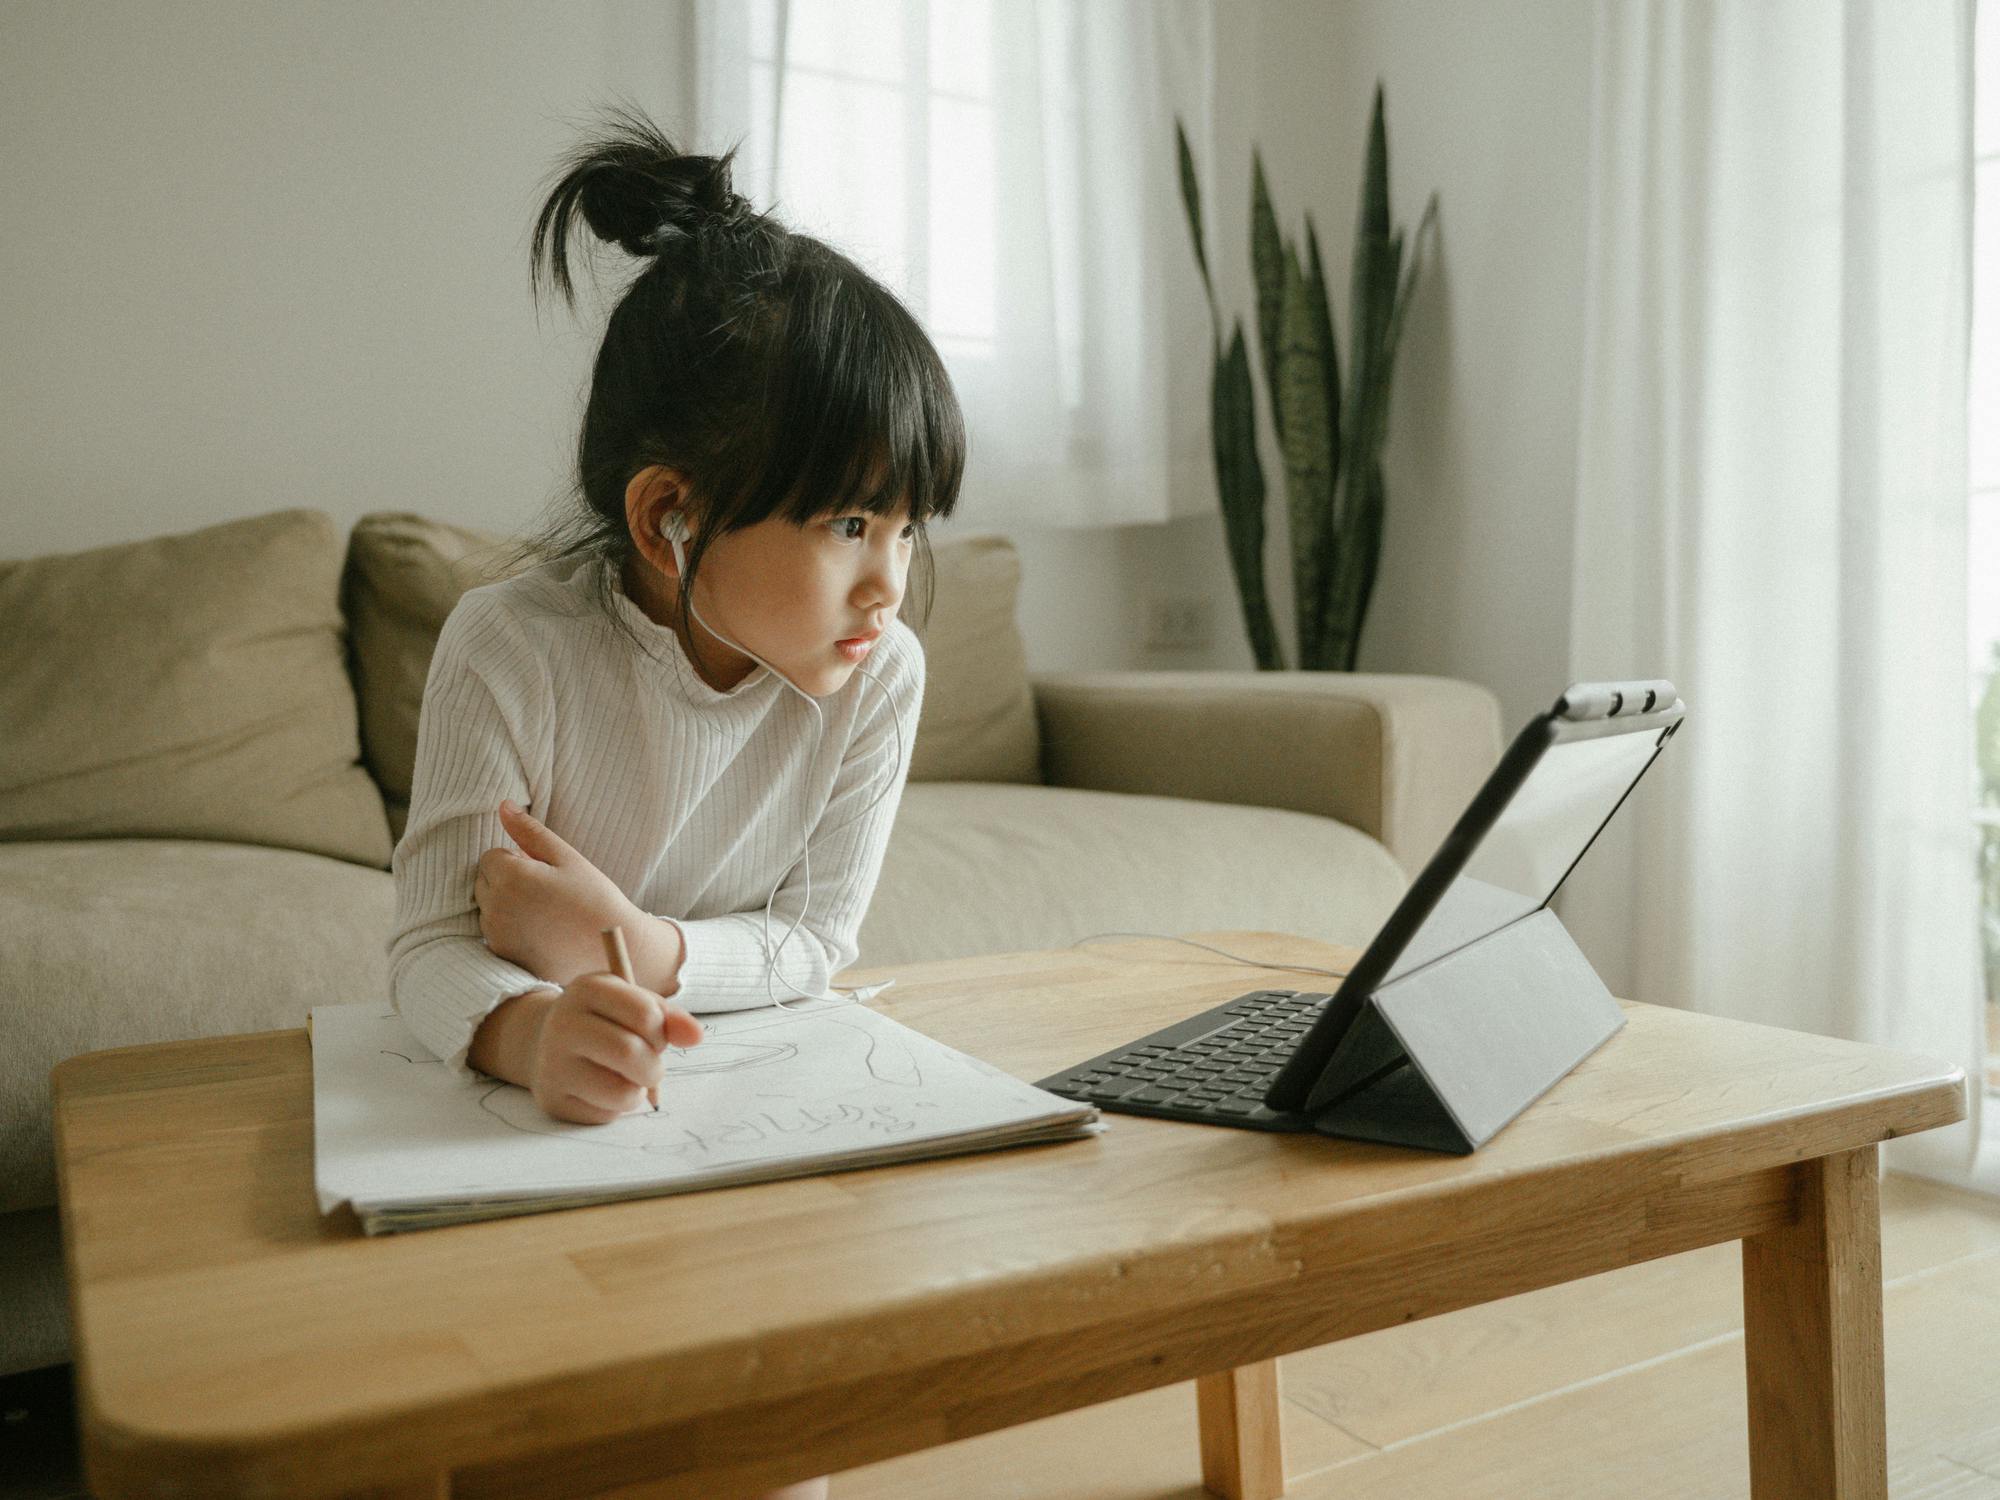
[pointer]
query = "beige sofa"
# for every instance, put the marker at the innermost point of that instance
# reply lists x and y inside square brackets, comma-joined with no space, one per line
[206,745]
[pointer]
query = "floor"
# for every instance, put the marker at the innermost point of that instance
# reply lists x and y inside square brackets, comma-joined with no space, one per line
[1626,1386]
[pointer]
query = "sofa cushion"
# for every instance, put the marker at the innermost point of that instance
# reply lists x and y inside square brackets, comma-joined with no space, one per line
[990,868]
[189,686]
[117,942]
[405,572]
[978,721]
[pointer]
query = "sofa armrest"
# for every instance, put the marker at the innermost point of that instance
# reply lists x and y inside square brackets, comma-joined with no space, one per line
[1398,757]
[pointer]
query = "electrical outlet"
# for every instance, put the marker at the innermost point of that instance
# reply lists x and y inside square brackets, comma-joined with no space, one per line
[1182,623]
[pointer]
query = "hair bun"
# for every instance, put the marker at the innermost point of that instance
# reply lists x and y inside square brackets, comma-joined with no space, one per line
[644,207]
[641,192]
[635,189]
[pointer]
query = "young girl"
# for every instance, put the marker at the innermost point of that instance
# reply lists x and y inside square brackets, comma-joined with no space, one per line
[695,721]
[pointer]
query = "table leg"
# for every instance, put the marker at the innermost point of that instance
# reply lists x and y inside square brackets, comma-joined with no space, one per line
[1812,1340]
[1241,1455]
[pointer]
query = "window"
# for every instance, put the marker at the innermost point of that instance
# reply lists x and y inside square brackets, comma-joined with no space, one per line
[1984,515]
[987,160]
[920,72]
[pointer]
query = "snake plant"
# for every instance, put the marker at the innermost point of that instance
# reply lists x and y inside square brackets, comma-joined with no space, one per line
[1331,438]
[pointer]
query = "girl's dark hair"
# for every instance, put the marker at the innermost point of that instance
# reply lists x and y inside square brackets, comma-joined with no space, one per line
[767,367]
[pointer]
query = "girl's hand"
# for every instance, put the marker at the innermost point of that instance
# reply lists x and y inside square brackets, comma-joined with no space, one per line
[601,1046]
[544,906]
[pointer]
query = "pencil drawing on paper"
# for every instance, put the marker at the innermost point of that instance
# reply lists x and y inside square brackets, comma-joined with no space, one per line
[767,1093]
[738,1091]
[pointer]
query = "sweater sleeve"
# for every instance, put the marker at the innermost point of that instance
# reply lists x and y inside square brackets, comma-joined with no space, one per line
[727,964]
[480,738]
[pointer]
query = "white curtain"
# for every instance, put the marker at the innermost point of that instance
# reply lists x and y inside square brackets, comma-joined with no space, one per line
[1771,511]
[1008,168]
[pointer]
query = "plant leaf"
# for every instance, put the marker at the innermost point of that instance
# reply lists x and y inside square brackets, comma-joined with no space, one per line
[1308,449]
[1267,264]
[1191,199]
[1369,549]
[1371,247]
[1354,575]
[1239,479]
[1323,311]
[1426,229]
[1380,287]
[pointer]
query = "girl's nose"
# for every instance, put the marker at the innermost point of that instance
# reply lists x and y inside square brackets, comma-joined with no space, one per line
[882,585]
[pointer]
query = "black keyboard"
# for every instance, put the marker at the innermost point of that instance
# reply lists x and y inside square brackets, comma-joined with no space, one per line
[1214,1066]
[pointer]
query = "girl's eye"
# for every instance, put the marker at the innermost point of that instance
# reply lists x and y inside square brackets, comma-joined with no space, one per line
[840,529]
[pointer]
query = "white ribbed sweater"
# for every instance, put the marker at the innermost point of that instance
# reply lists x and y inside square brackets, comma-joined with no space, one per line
[694,802]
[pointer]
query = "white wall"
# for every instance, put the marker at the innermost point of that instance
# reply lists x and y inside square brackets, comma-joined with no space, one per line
[261,256]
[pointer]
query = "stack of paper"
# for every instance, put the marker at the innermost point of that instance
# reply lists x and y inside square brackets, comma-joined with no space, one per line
[817,1087]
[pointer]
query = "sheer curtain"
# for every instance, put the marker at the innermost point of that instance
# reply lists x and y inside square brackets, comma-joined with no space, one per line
[1771,511]
[1007,166]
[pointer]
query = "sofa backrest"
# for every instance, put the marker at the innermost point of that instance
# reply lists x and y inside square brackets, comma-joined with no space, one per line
[405,572]
[978,721]
[189,686]
[233,683]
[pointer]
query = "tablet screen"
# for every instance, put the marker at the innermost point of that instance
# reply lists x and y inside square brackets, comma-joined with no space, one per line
[1569,793]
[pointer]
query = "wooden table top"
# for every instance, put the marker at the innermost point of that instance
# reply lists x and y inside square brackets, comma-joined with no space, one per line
[225,1331]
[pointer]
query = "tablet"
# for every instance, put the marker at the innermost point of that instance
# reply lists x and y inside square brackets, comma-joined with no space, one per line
[1560,782]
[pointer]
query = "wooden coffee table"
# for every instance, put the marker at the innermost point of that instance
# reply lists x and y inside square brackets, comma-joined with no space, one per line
[230,1341]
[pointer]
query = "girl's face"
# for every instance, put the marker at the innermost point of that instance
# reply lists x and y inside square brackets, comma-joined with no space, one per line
[793,594]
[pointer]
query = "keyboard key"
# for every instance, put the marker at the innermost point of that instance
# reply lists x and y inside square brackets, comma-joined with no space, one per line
[1114,1088]
[1237,1105]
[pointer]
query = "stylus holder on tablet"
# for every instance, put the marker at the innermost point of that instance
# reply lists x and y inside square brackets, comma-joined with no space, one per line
[1446,1055]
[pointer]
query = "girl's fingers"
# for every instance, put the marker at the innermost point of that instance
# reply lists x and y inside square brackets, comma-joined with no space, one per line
[578,1110]
[623,1009]
[623,1054]
[621,1003]
[659,1021]
[682,1029]
[602,1087]
[534,837]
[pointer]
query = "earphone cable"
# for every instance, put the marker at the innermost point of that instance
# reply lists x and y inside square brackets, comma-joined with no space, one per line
[867,992]
[1236,957]
[771,957]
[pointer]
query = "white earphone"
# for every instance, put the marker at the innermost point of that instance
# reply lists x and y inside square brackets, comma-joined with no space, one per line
[674,531]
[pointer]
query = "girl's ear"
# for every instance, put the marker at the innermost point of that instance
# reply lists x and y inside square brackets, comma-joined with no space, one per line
[650,495]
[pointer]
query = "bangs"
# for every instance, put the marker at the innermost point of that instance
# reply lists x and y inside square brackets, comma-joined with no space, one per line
[863,409]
